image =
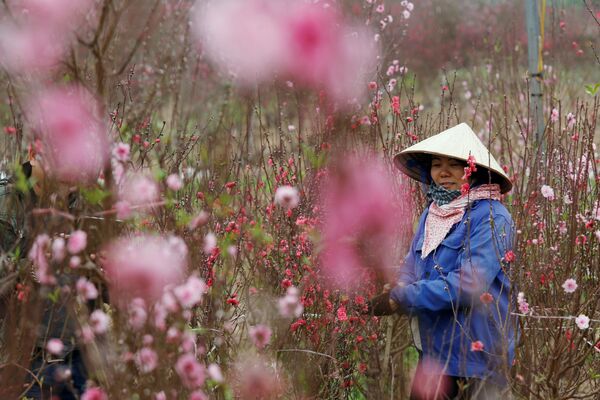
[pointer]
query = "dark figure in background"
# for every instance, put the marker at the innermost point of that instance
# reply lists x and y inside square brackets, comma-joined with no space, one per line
[63,377]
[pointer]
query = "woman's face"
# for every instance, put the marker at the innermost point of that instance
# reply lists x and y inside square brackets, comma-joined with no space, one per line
[448,172]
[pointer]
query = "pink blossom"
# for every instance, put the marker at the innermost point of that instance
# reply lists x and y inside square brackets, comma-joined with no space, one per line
[210,243]
[77,242]
[121,152]
[406,14]
[74,141]
[137,313]
[58,249]
[94,394]
[431,379]
[547,192]
[146,360]
[255,378]
[174,182]
[582,321]
[287,197]
[302,41]
[86,289]
[260,335]
[137,266]
[55,346]
[597,233]
[99,322]
[190,371]
[570,285]
[380,8]
[31,49]
[524,307]
[160,395]
[138,189]
[290,305]
[214,372]
[190,293]
[341,314]
[554,115]
[363,217]
[74,262]
[123,209]
[570,120]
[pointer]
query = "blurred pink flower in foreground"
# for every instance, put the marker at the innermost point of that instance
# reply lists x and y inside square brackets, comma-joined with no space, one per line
[190,371]
[39,37]
[146,360]
[94,394]
[257,40]
[256,378]
[362,220]
[99,322]
[77,241]
[260,335]
[75,144]
[138,189]
[142,266]
[547,192]
[432,382]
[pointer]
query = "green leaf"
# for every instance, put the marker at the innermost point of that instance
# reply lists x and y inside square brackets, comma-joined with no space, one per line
[54,296]
[592,89]
[95,196]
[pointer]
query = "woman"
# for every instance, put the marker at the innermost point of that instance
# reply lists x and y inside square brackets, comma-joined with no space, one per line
[454,281]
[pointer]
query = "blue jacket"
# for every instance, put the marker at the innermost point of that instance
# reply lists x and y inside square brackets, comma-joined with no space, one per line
[443,291]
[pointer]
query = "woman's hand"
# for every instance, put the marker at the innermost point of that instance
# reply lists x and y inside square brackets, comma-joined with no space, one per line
[382,304]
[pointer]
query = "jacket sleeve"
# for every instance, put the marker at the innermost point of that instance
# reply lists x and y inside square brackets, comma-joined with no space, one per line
[479,264]
[407,272]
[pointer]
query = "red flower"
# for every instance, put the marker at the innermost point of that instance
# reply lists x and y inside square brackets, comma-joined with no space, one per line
[10,130]
[509,256]
[477,346]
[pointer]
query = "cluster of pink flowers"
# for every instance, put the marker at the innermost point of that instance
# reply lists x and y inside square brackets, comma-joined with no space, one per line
[73,140]
[136,266]
[301,41]
[290,305]
[522,303]
[38,38]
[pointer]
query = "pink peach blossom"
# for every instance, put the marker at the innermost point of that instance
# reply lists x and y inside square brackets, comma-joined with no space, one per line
[190,371]
[99,321]
[570,285]
[255,378]
[214,372]
[290,305]
[86,289]
[58,249]
[190,293]
[142,266]
[547,192]
[37,254]
[74,140]
[174,182]
[363,220]
[146,360]
[77,242]
[55,347]
[138,189]
[137,313]
[582,321]
[432,381]
[287,197]
[260,335]
[95,393]
[121,152]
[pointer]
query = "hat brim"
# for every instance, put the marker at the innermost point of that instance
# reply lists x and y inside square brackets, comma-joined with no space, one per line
[417,166]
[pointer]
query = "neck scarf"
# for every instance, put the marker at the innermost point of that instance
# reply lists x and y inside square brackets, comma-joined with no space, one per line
[441,218]
[440,195]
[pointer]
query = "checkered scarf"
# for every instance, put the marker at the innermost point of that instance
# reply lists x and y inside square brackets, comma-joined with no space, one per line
[440,195]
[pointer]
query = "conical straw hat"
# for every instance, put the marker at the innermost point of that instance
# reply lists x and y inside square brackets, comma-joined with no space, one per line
[457,142]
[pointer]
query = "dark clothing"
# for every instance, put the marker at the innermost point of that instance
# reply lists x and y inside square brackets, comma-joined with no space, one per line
[17,233]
